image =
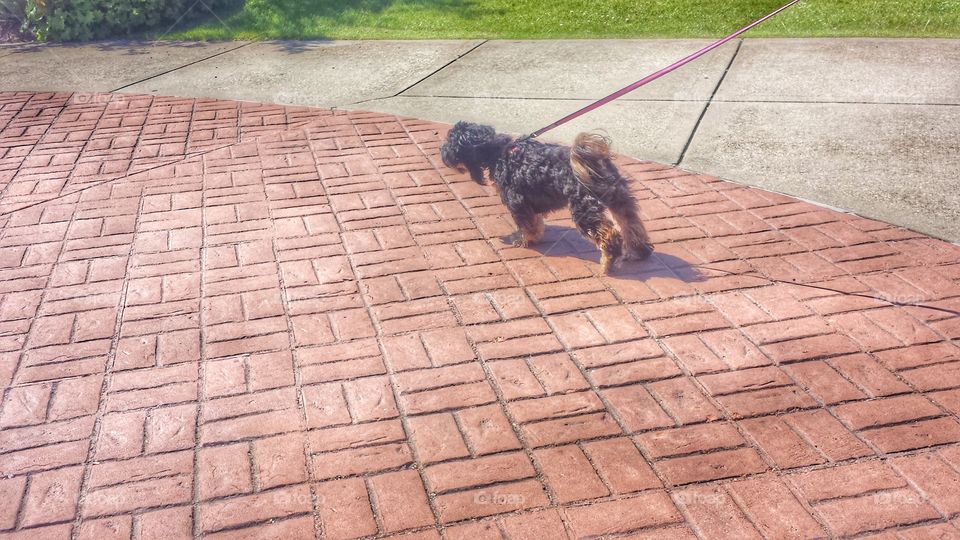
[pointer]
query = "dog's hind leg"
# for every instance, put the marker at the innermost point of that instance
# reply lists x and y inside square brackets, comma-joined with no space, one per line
[635,237]
[593,223]
[592,166]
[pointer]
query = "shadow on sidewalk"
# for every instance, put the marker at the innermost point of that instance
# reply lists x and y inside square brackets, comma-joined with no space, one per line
[566,241]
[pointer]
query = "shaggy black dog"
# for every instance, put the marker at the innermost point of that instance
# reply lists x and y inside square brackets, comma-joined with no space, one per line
[534,178]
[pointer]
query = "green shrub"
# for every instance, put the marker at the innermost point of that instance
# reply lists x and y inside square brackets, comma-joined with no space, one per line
[77,20]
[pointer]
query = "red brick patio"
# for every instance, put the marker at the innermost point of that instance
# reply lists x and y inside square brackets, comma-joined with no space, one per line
[236,320]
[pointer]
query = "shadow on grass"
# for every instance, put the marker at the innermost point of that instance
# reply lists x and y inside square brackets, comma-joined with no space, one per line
[128,47]
[289,20]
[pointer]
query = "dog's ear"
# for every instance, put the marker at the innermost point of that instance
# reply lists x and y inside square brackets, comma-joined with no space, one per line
[477,134]
[469,144]
[476,173]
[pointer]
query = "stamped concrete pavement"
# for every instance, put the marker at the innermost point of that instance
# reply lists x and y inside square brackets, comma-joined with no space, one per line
[230,320]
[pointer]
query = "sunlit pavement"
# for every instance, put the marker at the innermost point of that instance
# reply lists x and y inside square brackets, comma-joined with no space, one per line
[235,320]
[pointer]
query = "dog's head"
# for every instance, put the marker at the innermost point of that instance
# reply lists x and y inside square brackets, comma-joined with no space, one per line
[468,147]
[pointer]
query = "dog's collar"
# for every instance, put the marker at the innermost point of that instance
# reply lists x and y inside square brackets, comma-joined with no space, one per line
[511,148]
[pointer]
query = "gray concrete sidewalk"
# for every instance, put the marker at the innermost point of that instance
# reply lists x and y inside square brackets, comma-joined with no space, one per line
[867,125]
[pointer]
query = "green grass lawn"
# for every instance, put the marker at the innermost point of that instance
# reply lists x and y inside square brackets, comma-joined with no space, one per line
[542,19]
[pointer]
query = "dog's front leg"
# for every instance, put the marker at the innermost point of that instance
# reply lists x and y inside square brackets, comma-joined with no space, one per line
[530,228]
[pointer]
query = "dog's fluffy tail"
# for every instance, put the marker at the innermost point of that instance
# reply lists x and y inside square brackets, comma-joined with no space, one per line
[588,156]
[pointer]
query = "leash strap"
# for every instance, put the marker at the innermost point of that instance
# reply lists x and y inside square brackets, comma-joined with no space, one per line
[654,76]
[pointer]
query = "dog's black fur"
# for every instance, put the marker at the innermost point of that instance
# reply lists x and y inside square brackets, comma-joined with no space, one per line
[534,178]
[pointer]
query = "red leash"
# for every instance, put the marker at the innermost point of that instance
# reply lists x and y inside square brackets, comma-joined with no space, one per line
[657,75]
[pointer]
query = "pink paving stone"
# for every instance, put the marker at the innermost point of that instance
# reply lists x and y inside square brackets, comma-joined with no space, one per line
[322,332]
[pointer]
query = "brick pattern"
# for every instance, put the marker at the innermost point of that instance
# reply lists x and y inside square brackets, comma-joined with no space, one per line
[238,320]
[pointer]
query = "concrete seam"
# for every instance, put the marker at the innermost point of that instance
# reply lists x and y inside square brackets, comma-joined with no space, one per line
[188,64]
[441,68]
[692,100]
[703,113]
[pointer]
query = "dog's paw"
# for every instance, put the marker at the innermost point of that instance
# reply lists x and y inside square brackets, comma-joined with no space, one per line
[518,240]
[609,264]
